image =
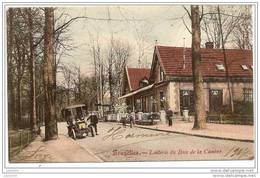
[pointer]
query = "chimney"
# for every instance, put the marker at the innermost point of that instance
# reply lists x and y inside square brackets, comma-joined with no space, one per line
[209,45]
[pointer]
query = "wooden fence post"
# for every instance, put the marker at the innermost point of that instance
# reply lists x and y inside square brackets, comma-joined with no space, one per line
[21,141]
[28,137]
[9,147]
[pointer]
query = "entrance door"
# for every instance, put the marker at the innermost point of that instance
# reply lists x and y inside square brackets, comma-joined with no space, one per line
[186,101]
[215,100]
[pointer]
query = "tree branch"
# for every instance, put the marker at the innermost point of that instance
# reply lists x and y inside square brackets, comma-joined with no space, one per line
[187,11]
[186,26]
[201,16]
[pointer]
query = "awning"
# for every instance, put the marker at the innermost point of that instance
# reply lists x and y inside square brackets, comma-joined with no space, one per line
[137,91]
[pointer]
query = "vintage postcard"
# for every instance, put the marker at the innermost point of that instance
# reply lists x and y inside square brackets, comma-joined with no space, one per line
[109,83]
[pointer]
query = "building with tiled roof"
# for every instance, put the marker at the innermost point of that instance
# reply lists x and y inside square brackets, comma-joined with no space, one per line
[135,76]
[169,81]
[176,61]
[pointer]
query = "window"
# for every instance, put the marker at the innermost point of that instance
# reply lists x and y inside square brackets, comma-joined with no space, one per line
[215,100]
[143,83]
[248,94]
[244,67]
[161,74]
[220,67]
[138,105]
[143,104]
[186,98]
[162,100]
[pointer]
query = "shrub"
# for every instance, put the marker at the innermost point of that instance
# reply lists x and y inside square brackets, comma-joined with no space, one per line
[243,108]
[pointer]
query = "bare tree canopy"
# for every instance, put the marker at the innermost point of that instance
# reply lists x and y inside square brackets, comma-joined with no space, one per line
[236,26]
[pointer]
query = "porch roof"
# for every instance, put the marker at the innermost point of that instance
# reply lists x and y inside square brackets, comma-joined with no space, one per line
[137,91]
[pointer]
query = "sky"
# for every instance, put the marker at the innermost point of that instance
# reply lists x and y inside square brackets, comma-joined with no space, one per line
[143,24]
[161,25]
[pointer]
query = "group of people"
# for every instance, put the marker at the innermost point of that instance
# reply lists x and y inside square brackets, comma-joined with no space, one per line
[131,117]
[92,120]
[128,117]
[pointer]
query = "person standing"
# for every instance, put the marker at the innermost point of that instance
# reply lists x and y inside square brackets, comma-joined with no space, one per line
[93,123]
[131,120]
[169,115]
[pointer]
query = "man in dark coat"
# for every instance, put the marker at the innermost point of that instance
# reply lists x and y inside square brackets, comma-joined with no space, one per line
[131,119]
[93,122]
[169,115]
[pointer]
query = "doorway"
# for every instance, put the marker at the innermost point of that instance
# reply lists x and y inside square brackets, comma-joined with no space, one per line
[215,100]
[187,101]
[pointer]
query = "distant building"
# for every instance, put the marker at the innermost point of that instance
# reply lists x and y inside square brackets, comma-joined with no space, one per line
[168,83]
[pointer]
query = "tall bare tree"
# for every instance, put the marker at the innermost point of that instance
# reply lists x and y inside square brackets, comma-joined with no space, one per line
[32,71]
[25,29]
[199,98]
[20,63]
[110,72]
[242,35]
[96,52]
[11,89]
[24,24]
[231,103]
[118,56]
[69,73]
[51,131]
[235,26]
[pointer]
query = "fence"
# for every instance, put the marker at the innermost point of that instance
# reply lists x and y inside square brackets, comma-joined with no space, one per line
[231,119]
[243,114]
[17,140]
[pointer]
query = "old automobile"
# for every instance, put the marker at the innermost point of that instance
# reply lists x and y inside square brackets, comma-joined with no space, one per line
[75,116]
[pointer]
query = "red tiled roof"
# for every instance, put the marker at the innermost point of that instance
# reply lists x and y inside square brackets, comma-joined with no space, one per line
[172,61]
[135,75]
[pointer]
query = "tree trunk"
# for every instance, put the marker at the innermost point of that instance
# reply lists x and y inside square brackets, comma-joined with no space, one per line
[79,85]
[18,87]
[68,96]
[199,98]
[55,65]
[51,131]
[32,73]
[101,89]
[95,74]
[11,88]
[231,103]
[110,81]
[18,106]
